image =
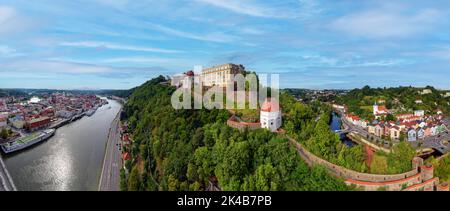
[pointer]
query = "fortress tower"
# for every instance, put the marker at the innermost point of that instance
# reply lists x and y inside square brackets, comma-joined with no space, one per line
[271,115]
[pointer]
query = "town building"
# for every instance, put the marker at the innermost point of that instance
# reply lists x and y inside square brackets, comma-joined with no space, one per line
[37,124]
[412,135]
[17,122]
[271,115]
[379,130]
[221,75]
[379,110]
[177,80]
[425,91]
[3,121]
[395,133]
[3,105]
[421,134]
[419,113]
[371,129]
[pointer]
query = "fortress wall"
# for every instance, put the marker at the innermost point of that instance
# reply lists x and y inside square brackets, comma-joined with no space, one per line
[243,125]
[424,186]
[348,174]
[389,186]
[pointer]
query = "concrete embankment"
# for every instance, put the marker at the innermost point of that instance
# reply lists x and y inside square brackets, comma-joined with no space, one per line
[6,182]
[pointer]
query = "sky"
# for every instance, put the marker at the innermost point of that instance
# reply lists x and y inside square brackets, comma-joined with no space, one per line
[120,44]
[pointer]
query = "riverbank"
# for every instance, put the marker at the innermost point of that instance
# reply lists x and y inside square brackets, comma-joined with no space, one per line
[112,162]
[69,161]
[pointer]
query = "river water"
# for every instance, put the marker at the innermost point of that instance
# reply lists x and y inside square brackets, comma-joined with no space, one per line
[335,125]
[69,161]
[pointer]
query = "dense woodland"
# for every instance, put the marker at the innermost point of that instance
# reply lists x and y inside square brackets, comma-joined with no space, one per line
[401,99]
[196,150]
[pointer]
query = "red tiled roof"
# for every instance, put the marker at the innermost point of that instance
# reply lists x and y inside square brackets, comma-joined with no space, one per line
[126,156]
[270,105]
[190,73]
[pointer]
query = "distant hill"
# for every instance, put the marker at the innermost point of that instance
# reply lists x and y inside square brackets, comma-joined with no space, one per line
[402,99]
[11,92]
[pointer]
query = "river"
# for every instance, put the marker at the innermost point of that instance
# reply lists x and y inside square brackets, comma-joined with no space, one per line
[335,125]
[69,161]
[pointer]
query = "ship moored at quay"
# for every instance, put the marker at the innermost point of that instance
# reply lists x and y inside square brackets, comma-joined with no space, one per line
[27,141]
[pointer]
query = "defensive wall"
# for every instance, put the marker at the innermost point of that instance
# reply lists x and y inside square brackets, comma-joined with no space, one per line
[236,123]
[421,177]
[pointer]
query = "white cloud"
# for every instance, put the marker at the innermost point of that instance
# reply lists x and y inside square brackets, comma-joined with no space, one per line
[7,51]
[149,60]
[43,66]
[294,9]
[11,21]
[242,7]
[386,23]
[212,37]
[112,46]
[54,68]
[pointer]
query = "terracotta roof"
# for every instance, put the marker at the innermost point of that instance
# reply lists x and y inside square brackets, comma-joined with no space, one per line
[126,156]
[270,105]
[190,73]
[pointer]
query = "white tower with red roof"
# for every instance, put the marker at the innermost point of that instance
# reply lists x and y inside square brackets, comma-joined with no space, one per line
[271,114]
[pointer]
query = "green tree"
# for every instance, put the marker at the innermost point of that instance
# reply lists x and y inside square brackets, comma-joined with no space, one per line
[123,180]
[134,180]
[4,134]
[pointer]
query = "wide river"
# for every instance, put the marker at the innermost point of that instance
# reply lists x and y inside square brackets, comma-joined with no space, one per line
[70,160]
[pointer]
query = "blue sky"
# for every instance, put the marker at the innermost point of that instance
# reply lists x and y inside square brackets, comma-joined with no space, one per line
[119,44]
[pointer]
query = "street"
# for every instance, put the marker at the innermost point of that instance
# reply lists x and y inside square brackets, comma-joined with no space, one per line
[110,177]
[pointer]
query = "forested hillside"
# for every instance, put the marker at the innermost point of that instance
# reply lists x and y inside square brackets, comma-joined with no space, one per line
[196,150]
[11,92]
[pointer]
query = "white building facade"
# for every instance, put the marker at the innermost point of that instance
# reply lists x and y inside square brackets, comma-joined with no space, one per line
[270,116]
[221,75]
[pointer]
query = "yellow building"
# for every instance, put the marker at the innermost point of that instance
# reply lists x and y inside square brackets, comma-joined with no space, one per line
[220,75]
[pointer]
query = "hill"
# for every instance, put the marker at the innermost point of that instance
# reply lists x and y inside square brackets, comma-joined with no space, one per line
[400,99]
[196,150]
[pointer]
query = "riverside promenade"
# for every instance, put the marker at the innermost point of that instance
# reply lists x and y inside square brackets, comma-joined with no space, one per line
[6,182]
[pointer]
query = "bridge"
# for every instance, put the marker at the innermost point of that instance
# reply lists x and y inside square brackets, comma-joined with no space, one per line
[343,131]
[438,142]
